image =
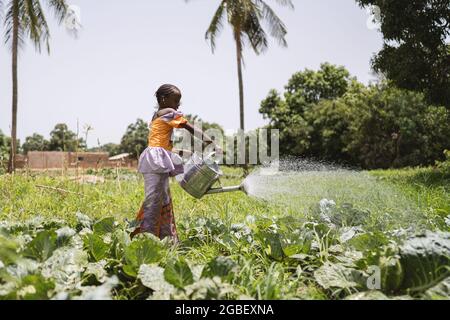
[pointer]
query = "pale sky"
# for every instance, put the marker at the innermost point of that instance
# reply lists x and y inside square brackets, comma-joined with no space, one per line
[107,77]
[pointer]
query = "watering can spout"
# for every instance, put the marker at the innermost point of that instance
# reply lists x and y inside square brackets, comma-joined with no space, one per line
[226,189]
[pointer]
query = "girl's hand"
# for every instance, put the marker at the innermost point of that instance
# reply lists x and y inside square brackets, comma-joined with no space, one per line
[219,150]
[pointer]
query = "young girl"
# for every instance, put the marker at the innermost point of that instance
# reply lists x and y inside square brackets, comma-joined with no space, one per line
[157,163]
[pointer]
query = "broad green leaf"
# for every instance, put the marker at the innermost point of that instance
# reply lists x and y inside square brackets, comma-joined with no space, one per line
[102,292]
[332,276]
[95,246]
[271,244]
[65,267]
[97,270]
[8,251]
[441,291]
[369,241]
[83,221]
[367,295]
[152,277]
[64,235]
[42,246]
[221,266]
[35,287]
[142,251]
[425,260]
[207,289]
[106,225]
[178,273]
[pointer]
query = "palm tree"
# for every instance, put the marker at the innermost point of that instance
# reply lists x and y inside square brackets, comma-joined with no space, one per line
[26,19]
[245,17]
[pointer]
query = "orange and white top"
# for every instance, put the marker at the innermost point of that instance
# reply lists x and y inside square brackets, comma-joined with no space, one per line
[162,129]
[157,157]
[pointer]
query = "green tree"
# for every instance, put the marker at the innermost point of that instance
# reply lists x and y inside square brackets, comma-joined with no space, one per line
[36,142]
[303,91]
[416,51]
[62,139]
[26,19]
[135,139]
[342,120]
[245,18]
[5,149]
[396,128]
[329,124]
[112,148]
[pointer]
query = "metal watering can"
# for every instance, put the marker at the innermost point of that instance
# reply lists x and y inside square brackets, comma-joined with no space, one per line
[200,174]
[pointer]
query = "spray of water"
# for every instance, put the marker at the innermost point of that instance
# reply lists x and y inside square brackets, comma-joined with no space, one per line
[297,185]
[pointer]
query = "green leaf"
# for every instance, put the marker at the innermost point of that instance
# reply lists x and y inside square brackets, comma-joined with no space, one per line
[83,221]
[142,251]
[367,295]
[95,246]
[152,276]
[104,226]
[271,244]
[178,273]
[369,241]
[331,276]
[425,260]
[97,271]
[35,287]
[8,251]
[65,267]
[42,246]
[441,291]
[221,266]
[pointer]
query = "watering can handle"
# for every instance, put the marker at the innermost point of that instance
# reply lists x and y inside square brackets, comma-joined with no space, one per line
[211,155]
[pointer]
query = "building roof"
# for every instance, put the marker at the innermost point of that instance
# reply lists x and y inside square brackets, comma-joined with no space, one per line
[119,156]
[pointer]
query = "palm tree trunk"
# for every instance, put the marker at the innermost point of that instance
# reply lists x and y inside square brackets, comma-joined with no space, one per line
[15,45]
[241,93]
[241,82]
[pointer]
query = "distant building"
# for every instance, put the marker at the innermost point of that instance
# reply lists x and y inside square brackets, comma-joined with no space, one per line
[65,160]
[123,160]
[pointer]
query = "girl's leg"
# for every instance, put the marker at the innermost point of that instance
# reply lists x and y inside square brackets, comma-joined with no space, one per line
[167,226]
[154,192]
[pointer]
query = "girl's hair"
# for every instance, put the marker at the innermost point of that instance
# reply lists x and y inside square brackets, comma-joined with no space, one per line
[166,90]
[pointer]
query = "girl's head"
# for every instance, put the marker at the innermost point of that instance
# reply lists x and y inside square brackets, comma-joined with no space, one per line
[168,96]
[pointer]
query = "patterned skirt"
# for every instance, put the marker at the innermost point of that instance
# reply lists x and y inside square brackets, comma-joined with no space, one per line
[156,213]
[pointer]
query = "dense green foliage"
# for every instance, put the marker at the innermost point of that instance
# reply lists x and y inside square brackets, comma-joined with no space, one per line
[36,142]
[416,50]
[135,139]
[63,139]
[329,115]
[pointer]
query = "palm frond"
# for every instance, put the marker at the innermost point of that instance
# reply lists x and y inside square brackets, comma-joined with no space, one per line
[277,29]
[256,35]
[1,10]
[35,24]
[9,24]
[59,8]
[285,3]
[216,25]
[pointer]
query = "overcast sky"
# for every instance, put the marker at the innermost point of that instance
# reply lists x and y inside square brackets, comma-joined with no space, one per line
[107,77]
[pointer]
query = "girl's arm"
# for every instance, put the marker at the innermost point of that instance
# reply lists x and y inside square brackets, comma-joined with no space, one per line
[196,132]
